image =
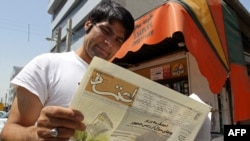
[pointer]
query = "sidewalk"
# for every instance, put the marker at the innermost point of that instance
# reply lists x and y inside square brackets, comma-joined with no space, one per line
[219,138]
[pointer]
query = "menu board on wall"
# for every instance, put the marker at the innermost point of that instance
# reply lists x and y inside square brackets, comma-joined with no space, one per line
[156,73]
[173,69]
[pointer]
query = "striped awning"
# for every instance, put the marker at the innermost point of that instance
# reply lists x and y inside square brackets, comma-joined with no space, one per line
[212,36]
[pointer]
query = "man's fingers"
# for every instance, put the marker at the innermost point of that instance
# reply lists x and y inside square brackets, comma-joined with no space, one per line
[60,112]
[53,116]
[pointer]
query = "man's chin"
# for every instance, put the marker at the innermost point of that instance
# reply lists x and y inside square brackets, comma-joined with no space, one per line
[98,55]
[103,57]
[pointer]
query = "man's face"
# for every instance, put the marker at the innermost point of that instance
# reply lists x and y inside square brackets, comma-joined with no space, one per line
[104,39]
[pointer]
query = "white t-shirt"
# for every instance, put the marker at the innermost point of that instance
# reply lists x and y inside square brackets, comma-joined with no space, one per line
[53,77]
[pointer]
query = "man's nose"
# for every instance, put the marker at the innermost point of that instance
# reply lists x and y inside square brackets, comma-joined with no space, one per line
[108,41]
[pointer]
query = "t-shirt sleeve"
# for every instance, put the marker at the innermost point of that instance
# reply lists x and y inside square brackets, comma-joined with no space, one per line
[34,77]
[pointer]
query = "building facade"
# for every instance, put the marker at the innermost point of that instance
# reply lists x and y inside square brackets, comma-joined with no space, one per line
[67,19]
[76,10]
[11,91]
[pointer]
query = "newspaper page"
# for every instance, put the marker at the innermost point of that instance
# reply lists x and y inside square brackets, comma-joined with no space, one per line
[120,105]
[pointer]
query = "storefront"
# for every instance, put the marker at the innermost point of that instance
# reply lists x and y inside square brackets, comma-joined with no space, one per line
[193,46]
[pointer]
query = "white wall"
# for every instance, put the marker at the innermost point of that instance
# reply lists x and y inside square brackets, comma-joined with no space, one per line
[198,84]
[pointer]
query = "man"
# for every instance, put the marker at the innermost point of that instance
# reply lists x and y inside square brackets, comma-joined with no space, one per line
[46,85]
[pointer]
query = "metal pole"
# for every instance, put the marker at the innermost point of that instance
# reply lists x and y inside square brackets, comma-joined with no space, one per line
[69,35]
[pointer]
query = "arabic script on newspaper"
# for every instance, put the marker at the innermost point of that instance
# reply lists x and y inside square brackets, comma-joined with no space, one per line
[121,105]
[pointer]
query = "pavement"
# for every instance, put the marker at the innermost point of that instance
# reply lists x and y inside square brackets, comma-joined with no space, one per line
[219,138]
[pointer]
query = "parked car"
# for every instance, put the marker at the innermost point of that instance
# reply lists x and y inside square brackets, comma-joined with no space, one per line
[3,118]
[2,113]
[5,115]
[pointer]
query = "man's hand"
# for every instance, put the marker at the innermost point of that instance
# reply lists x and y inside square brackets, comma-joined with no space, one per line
[65,120]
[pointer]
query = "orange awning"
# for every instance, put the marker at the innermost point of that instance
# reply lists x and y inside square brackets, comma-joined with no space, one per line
[210,31]
[169,18]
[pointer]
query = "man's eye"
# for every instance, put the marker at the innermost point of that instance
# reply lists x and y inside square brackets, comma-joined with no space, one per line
[105,31]
[119,42]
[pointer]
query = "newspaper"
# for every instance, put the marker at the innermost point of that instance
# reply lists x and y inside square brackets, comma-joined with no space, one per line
[120,105]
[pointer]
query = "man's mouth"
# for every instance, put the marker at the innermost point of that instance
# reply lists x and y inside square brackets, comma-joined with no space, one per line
[103,51]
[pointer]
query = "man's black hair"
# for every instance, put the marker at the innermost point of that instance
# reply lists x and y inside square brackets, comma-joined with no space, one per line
[111,11]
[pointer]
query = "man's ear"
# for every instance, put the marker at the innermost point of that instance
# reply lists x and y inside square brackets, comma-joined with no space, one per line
[87,26]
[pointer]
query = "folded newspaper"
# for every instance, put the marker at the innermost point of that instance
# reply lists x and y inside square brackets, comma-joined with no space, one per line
[120,105]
